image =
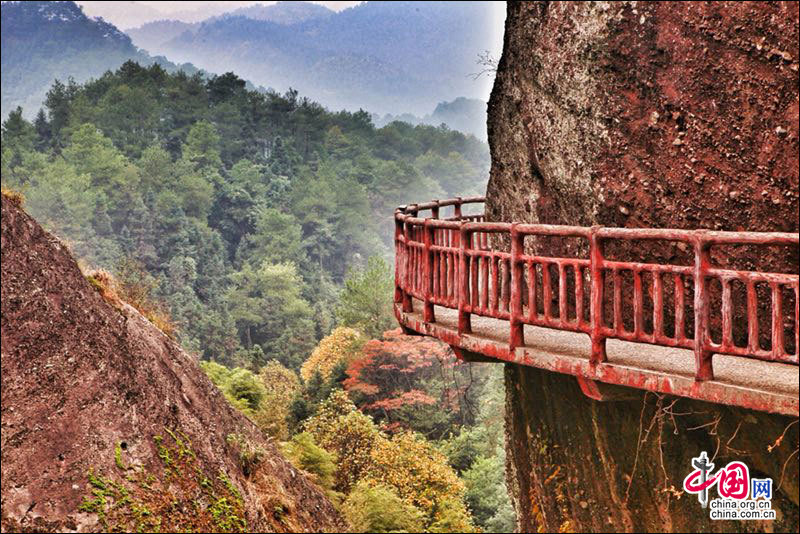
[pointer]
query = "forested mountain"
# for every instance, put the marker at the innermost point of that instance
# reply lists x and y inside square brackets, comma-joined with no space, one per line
[43,41]
[233,203]
[387,57]
[247,225]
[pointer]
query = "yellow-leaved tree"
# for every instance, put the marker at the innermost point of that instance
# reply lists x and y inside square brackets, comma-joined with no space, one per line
[339,428]
[406,464]
[341,345]
[421,476]
[281,384]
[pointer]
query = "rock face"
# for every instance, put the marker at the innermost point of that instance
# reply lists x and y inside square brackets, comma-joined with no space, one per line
[643,114]
[108,424]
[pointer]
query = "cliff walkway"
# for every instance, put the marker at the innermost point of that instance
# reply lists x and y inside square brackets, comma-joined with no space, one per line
[695,330]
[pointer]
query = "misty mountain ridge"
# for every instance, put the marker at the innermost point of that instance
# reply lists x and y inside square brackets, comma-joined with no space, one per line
[286,13]
[155,34]
[387,57]
[467,115]
[43,41]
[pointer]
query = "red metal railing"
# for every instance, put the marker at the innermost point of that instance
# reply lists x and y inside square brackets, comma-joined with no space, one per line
[450,262]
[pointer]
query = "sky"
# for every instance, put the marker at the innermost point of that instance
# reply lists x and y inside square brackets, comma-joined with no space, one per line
[126,15]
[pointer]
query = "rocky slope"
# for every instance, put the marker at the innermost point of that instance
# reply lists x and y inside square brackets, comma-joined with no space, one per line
[643,114]
[108,424]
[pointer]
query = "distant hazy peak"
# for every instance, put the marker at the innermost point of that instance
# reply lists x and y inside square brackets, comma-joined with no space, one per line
[285,13]
[17,15]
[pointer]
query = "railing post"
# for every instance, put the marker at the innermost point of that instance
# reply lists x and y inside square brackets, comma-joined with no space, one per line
[517,336]
[465,242]
[408,305]
[427,273]
[398,257]
[434,215]
[702,356]
[457,216]
[596,298]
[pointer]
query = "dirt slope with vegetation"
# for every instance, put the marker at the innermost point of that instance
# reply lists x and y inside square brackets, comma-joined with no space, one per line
[108,424]
[644,114]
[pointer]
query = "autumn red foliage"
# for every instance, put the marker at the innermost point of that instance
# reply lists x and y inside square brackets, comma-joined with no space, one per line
[400,380]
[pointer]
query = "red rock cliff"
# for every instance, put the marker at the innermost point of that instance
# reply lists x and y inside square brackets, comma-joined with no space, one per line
[108,424]
[643,114]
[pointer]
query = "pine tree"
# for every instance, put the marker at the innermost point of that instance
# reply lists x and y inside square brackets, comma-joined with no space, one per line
[141,230]
[44,135]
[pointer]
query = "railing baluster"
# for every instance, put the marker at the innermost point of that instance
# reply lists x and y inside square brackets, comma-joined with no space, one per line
[452,280]
[427,274]
[437,286]
[658,305]
[753,344]
[443,275]
[505,286]
[465,241]
[485,282]
[413,265]
[796,322]
[532,311]
[578,294]
[777,321]
[474,279]
[517,336]
[398,254]
[407,275]
[449,281]
[637,302]
[455,288]
[547,291]
[680,307]
[727,313]
[448,276]
[493,293]
[618,326]
[562,293]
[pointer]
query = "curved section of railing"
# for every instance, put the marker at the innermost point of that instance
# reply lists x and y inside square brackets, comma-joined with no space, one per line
[449,261]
